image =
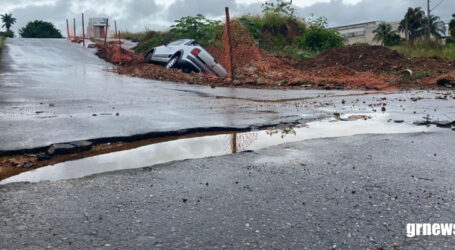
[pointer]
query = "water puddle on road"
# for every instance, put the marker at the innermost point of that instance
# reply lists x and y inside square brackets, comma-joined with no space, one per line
[212,145]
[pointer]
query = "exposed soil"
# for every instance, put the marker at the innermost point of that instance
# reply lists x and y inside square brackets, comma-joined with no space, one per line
[375,59]
[350,67]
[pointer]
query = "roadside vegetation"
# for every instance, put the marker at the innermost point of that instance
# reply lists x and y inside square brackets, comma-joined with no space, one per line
[276,30]
[2,44]
[422,48]
[279,31]
[40,29]
[8,21]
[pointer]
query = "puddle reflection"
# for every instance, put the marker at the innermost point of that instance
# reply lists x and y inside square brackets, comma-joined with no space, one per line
[208,146]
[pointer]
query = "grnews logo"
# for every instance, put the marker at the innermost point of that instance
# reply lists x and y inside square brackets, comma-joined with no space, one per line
[428,229]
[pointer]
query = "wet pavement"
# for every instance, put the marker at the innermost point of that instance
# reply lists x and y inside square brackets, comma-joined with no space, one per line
[353,184]
[354,192]
[53,91]
[214,145]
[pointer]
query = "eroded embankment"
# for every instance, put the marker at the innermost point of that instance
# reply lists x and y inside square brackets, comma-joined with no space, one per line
[350,67]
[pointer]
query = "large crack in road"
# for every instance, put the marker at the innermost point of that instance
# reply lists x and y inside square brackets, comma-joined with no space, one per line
[353,192]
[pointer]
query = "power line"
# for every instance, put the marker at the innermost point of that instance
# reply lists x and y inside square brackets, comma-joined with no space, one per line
[437,5]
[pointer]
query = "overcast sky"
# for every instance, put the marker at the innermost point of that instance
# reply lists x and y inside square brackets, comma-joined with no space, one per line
[138,15]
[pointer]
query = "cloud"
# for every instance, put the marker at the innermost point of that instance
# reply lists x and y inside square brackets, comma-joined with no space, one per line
[137,15]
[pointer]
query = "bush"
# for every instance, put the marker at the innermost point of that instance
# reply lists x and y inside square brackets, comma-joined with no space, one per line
[319,39]
[272,31]
[136,37]
[40,29]
[392,40]
[9,34]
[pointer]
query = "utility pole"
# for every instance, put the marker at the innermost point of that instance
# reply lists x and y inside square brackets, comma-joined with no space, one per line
[74,24]
[428,20]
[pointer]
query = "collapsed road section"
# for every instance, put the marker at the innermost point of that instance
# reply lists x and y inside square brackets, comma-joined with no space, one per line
[146,153]
[350,67]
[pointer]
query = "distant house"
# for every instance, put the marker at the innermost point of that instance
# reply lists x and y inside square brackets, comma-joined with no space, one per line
[97,27]
[363,32]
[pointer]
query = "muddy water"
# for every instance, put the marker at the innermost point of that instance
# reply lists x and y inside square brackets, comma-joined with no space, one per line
[213,145]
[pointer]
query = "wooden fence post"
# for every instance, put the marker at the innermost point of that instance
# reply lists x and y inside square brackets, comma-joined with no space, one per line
[68,30]
[115,22]
[107,28]
[83,31]
[228,45]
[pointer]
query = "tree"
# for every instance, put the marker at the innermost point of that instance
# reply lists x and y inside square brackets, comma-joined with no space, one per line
[203,30]
[385,35]
[318,38]
[413,23]
[417,24]
[452,26]
[8,21]
[438,27]
[278,7]
[40,29]
[382,32]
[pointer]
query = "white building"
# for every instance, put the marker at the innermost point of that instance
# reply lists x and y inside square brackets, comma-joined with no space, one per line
[363,32]
[97,27]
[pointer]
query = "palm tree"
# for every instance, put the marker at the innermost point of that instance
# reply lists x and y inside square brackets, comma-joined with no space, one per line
[382,32]
[438,27]
[452,26]
[8,20]
[413,23]
[417,24]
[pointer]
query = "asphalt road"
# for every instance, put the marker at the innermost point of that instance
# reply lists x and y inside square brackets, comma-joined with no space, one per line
[353,192]
[53,91]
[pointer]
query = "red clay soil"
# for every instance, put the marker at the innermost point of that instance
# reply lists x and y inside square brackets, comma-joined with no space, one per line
[376,59]
[350,67]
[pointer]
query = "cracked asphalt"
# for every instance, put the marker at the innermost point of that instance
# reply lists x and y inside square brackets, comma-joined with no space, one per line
[54,91]
[353,192]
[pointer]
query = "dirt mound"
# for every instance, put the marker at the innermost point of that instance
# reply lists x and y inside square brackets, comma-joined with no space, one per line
[113,53]
[432,65]
[252,64]
[376,59]
[351,67]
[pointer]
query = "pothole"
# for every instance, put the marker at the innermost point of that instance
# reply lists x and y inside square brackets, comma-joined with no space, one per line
[157,151]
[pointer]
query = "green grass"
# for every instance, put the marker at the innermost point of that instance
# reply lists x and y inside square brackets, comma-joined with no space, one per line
[135,37]
[426,49]
[2,44]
